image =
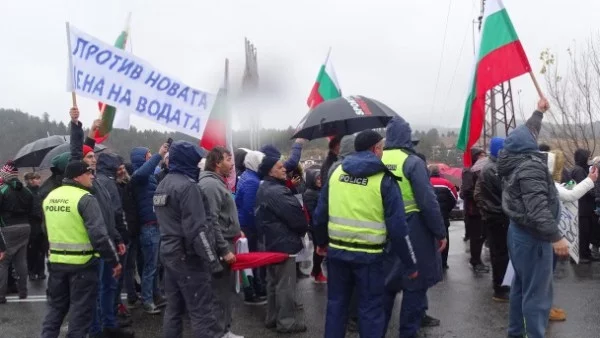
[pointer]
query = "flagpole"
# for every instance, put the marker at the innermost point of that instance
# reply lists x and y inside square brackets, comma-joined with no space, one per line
[73,96]
[536,84]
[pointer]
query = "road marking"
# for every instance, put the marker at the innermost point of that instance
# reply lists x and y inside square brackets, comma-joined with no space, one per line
[37,299]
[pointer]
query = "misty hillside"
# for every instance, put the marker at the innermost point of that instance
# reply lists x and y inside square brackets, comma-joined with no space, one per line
[18,128]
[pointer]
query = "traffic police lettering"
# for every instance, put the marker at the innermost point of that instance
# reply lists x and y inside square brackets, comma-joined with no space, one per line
[354,180]
[60,208]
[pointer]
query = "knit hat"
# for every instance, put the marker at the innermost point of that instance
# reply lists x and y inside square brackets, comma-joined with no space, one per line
[87,149]
[266,165]
[270,151]
[496,144]
[9,171]
[76,168]
[59,162]
[366,139]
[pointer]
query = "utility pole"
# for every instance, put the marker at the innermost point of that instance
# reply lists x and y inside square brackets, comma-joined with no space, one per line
[499,108]
[249,87]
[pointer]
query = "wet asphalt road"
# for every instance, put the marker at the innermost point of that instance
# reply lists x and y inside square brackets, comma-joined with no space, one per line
[462,302]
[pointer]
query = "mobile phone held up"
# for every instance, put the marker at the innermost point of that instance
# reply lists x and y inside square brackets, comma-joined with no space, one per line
[169,142]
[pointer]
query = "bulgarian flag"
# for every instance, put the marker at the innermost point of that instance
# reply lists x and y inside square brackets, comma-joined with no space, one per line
[108,112]
[326,86]
[218,130]
[499,58]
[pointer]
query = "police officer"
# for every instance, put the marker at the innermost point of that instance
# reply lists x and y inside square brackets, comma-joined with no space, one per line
[187,246]
[360,210]
[78,238]
[426,226]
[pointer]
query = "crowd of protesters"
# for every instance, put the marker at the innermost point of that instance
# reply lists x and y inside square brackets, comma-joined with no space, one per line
[163,231]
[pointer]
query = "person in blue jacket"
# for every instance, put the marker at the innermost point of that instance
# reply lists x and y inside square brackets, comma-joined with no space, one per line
[360,212]
[245,198]
[427,231]
[144,185]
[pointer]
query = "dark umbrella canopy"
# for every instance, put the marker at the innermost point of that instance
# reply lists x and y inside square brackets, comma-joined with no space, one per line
[63,148]
[344,116]
[32,154]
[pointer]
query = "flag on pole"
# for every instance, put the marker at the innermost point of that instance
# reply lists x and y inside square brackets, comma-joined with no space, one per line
[107,112]
[499,57]
[218,131]
[326,86]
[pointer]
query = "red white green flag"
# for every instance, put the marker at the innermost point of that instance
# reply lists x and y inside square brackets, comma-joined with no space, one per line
[108,112]
[499,58]
[326,86]
[218,130]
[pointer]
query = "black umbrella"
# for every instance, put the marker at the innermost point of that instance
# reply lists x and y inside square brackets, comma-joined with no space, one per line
[31,154]
[344,116]
[63,148]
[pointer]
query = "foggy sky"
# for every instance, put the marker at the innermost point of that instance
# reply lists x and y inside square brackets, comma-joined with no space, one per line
[388,50]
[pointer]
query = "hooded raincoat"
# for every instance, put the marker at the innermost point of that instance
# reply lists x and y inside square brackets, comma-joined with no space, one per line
[425,227]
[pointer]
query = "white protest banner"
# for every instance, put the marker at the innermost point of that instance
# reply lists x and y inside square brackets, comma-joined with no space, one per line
[111,75]
[569,227]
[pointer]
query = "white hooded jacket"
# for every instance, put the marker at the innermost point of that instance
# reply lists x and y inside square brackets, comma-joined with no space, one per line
[564,194]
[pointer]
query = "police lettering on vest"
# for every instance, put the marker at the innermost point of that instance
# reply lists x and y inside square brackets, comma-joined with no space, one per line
[59,208]
[353,180]
[394,160]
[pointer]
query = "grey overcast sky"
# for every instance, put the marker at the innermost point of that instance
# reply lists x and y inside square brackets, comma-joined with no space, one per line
[389,50]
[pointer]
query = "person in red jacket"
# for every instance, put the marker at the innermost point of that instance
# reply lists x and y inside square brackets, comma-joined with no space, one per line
[447,197]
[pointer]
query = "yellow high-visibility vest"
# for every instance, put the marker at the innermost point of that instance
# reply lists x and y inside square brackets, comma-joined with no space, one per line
[356,215]
[67,236]
[394,160]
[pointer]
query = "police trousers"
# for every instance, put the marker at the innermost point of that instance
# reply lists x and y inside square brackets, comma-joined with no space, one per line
[188,287]
[73,292]
[368,281]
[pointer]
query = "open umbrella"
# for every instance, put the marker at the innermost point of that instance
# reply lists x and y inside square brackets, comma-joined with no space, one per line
[32,154]
[63,148]
[344,116]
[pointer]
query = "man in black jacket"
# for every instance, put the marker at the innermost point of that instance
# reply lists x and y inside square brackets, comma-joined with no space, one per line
[133,231]
[587,218]
[473,225]
[488,196]
[447,197]
[187,247]
[311,199]
[281,222]
[17,208]
[37,247]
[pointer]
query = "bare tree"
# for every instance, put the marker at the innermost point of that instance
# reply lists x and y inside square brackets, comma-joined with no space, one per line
[574,94]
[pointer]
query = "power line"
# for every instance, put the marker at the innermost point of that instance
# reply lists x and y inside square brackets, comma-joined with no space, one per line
[462,46]
[437,81]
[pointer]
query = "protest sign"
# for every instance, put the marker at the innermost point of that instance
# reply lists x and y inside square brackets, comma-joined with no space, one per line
[569,227]
[108,74]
